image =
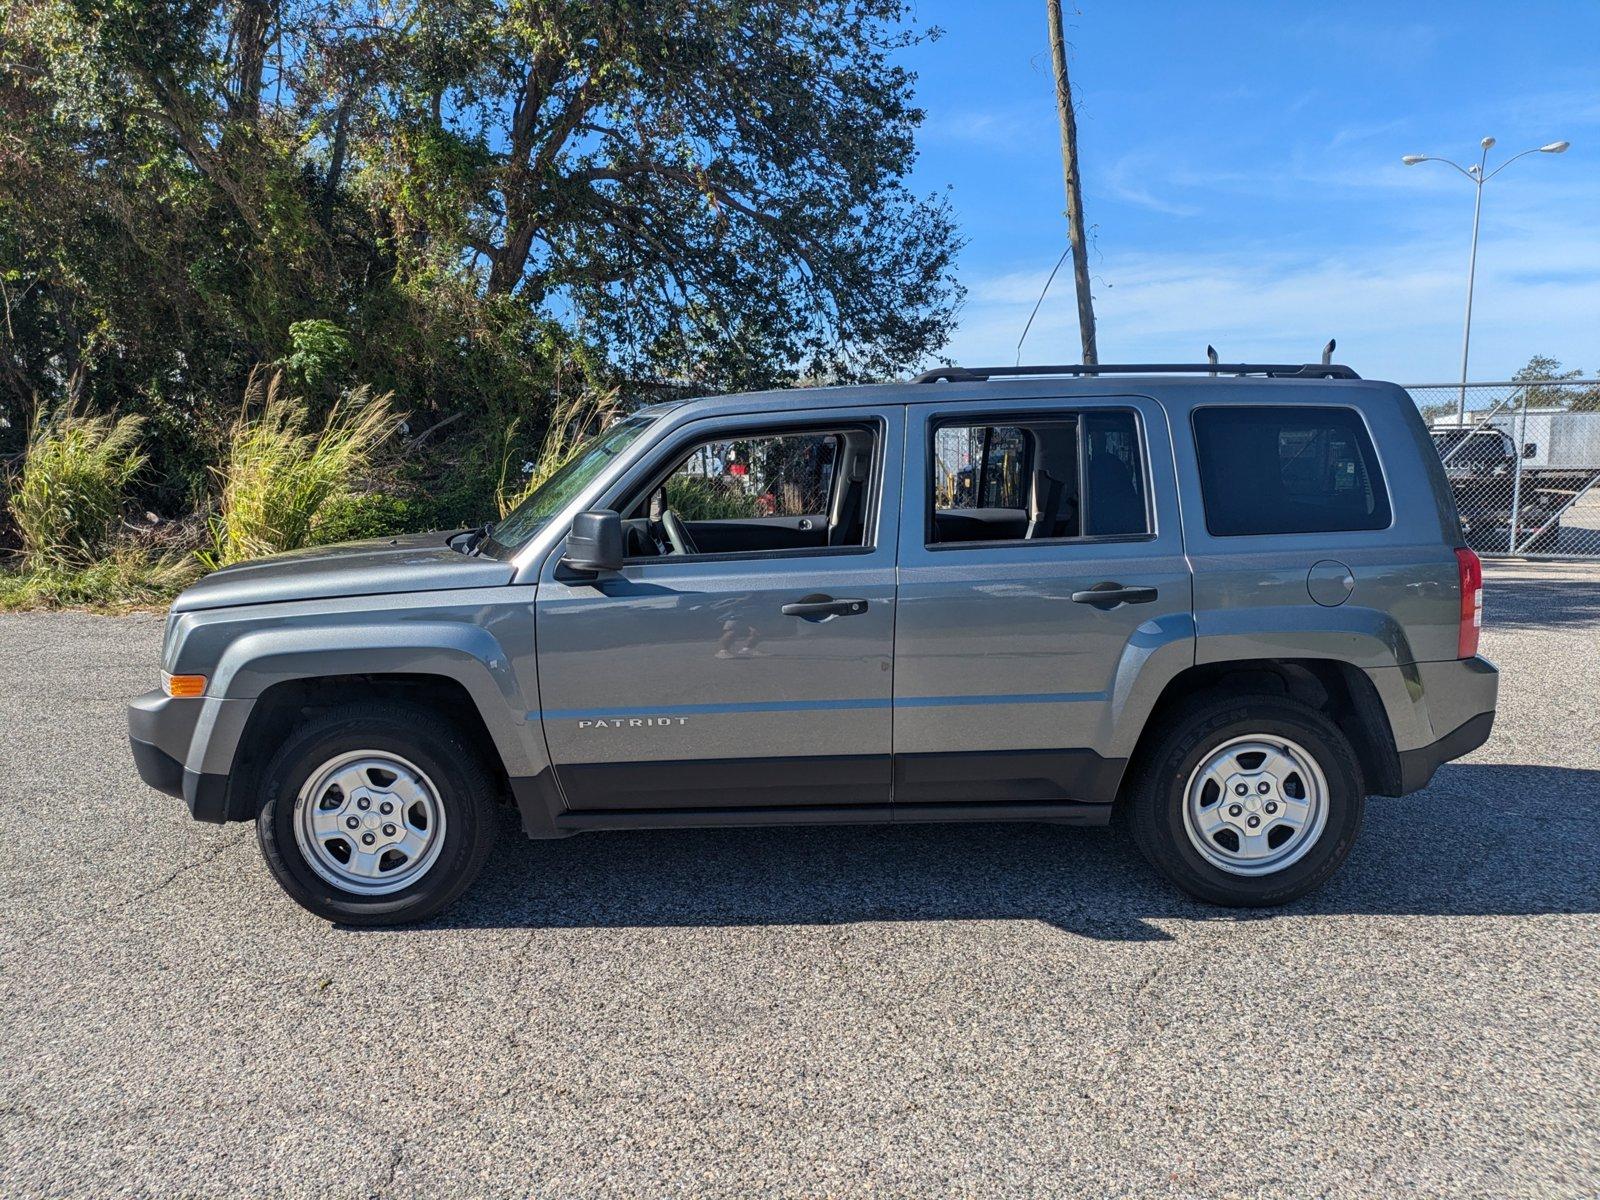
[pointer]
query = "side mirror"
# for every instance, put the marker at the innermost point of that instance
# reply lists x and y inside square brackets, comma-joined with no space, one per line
[1529,449]
[595,543]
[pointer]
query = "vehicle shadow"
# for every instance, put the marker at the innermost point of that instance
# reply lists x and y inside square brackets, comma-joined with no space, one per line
[1483,840]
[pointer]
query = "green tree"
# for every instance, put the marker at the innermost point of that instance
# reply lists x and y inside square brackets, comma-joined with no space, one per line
[458,200]
[713,189]
[1543,370]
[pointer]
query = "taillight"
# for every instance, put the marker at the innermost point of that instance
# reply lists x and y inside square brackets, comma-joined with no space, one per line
[1470,568]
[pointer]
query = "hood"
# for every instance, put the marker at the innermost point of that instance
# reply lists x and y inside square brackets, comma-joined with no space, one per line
[420,562]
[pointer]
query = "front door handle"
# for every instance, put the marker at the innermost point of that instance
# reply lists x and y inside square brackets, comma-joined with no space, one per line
[819,608]
[1108,595]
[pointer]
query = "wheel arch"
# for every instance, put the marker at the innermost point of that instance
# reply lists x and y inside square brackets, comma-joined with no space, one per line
[283,705]
[457,667]
[1339,690]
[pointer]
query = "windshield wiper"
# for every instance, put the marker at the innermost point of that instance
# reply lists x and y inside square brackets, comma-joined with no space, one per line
[474,538]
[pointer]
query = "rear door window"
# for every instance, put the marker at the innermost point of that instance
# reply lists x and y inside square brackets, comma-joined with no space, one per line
[1047,477]
[980,466]
[1288,469]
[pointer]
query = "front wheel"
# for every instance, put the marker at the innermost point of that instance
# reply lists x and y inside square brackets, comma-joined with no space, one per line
[375,815]
[1248,801]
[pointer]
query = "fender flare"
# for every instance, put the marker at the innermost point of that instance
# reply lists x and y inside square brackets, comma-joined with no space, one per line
[1367,638]
[463,653]
[1159,651]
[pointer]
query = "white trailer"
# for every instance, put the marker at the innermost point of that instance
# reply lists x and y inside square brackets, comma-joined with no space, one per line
[1561,440]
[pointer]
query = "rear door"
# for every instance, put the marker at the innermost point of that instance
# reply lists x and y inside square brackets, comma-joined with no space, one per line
[1037,615]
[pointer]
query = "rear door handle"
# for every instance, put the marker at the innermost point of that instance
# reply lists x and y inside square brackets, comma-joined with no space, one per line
[819,607]
[1108,595]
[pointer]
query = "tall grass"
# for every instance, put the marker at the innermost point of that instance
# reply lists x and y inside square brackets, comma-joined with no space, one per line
[696,498]
[67,505]
[125,576]
[280,474]
[69,498]
[573,423]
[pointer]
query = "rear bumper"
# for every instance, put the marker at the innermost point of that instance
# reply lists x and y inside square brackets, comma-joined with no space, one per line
[1417,766]
[160,729]
[1436,711]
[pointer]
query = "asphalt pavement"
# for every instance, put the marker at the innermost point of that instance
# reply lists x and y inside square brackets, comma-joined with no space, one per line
[915,1011]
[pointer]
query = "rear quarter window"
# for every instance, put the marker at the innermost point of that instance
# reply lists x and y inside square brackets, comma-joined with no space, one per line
[1288,469]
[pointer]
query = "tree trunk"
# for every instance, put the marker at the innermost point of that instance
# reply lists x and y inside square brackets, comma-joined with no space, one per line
[1069,171]
[250,28]
[341,147]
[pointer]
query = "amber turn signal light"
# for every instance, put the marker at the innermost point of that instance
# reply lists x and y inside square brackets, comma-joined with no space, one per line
[183,685]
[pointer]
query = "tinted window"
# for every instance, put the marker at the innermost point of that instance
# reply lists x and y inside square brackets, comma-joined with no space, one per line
[1115,476]
[1288,470]
[1472,448]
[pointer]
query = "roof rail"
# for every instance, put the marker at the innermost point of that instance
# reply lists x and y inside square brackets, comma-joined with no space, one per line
[1271,370]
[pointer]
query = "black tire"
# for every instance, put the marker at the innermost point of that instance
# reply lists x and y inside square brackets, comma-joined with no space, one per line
[1156,799]
[417,735]
[1549,541]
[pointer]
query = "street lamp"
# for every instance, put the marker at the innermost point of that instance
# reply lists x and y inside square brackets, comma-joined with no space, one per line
[1479,178]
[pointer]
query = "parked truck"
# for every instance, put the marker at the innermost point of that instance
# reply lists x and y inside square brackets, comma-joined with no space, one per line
[1559,461]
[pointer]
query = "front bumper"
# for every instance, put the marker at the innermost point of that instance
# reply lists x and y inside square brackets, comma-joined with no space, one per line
[156,767]
[160,729]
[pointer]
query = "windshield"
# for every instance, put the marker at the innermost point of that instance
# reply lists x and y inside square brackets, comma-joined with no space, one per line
[1477,448]
[550,497]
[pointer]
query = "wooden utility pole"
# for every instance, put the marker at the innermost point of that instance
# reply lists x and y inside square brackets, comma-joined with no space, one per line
[1069,171]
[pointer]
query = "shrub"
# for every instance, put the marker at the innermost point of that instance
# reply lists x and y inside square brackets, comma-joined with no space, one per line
[572,424]
[75,472]
[372,515]
[699,499]
[279,476]
[318,350]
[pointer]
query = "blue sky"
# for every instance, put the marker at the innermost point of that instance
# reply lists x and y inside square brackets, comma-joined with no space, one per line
[1243,183]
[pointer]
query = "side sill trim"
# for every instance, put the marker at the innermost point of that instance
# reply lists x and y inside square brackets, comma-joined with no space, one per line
[980,778]
[544,817]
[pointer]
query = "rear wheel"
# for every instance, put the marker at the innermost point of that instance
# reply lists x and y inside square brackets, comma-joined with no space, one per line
[375,815]
[1248,801]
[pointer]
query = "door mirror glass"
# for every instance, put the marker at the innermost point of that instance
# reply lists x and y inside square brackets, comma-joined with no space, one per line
[595,543]
[1530,449]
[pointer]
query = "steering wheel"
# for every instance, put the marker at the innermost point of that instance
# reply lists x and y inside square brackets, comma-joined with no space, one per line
[677,533]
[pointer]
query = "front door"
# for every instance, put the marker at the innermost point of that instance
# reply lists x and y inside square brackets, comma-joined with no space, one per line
[743,656]
[1044,598]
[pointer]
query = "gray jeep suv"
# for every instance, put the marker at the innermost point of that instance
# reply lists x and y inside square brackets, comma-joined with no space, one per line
[1226,602]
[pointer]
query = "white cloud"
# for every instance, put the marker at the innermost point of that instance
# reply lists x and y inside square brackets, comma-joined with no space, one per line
[1396,310]
[1130,177]
[990,129]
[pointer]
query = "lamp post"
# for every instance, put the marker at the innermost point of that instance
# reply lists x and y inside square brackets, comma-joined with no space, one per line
[1476,173]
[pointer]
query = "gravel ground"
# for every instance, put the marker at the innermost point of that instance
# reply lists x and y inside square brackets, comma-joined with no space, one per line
[982,1010]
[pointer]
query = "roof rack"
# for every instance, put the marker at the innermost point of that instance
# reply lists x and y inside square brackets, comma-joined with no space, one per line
[1325,370]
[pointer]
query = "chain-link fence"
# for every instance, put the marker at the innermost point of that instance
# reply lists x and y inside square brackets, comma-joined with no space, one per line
[1524,462]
